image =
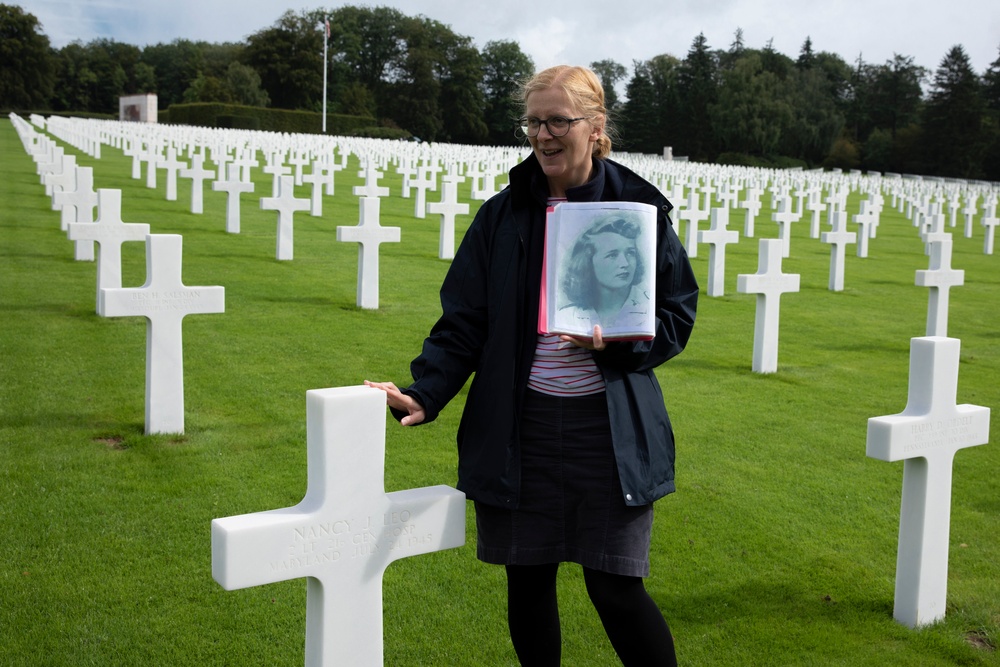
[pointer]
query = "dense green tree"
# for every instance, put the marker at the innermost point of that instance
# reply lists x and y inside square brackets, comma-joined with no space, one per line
[991,85]
[610,73]
[367,41]
[91,77]
[416,91]
[27,68]
[288,56]
[365,46]
[953,119]
[663,71]
[637,127]
[505,68]
[650,119]
[697,88]
[176,66]
[463,107]
[817,121]
[817,90]
[208,89]
[991,97]
[896,93]
[752,110]
[244,85]
[807,59]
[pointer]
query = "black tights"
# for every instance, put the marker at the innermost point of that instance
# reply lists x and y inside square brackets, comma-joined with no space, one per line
[632,620]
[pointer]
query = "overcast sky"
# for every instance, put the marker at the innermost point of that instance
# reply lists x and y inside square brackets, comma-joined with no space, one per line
[583,31]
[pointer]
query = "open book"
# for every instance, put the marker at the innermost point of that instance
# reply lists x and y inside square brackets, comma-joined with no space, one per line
[599,268]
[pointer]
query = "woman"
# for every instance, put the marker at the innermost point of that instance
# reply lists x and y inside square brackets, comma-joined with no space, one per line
[604,281]
[564,442]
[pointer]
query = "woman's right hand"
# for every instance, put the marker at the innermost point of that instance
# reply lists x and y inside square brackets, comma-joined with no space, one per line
[397,400]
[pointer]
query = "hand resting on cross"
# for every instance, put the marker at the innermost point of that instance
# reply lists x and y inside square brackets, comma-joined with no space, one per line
[397,400]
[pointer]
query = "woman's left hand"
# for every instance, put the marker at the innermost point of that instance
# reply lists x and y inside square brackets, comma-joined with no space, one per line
[595,343]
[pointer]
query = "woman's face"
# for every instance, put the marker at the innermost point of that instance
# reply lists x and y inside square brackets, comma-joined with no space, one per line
[566,160]
[614,260]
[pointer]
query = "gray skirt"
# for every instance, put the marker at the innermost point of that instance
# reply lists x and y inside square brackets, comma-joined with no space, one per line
[571,505]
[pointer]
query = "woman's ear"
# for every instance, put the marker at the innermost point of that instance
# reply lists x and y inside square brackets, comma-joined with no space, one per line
[597,128]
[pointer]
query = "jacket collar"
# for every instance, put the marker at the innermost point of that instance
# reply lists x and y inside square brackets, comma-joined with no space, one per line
[528,184]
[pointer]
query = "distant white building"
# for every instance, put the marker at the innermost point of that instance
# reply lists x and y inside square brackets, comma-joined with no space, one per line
[138,108]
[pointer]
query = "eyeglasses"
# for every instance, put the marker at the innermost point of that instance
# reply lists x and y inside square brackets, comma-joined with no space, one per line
[557,126]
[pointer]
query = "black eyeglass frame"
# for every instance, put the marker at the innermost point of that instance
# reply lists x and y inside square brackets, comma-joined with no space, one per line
[525,128]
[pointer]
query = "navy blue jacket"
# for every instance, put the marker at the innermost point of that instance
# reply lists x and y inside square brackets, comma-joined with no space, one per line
[489,325]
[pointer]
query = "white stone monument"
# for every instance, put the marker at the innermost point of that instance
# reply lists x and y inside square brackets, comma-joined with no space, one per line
[769,283]
[164,301]
[344,533]
[138,108]
[925,436]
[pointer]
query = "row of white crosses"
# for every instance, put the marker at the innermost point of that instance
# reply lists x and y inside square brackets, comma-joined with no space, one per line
[347,529]
[286,204]
[926,435]
[933,429]
[163,300]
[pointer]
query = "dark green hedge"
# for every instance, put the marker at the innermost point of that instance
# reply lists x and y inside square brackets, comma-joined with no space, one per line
[259,118]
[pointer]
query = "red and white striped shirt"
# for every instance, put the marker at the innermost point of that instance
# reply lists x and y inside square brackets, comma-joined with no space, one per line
[563,369]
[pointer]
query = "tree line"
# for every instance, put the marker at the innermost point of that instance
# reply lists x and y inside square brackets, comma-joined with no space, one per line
[737,105]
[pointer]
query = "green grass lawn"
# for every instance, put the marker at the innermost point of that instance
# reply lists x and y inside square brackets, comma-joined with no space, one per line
[778,548]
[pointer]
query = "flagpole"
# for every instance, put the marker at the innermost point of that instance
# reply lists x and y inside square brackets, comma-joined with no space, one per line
[326,38]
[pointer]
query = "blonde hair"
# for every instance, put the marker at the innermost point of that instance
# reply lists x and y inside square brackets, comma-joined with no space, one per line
[584,90]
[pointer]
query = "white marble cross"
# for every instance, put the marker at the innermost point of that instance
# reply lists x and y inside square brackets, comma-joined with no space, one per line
[173,167]
[344,533]
[286,204]
[717,236]
[277,169]
[926,436]
[971,207]
[989,222]
[371,187]
[317,178]
[752,206]
[694,215]
[838,238]
[939,277]
[422,183]
[816,207]
[164,301]
[233,186]
[785,216]
[109,232]
[78,206]
[369,235]
[448,208]
[866,219]
[198,175]
[769,283]
[60,178]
